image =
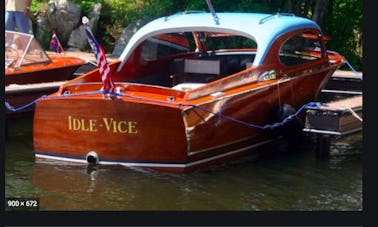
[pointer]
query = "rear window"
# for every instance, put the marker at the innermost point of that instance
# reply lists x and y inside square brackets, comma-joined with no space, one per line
[165,45]
[300,48]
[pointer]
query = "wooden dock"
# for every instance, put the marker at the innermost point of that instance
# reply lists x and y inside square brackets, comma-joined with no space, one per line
[336,118]
[332,121]
[344,82]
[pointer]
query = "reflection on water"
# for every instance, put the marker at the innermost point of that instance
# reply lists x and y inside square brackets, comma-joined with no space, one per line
[280,181]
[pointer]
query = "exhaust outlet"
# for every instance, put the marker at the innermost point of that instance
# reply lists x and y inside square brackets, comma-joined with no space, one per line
[92,157]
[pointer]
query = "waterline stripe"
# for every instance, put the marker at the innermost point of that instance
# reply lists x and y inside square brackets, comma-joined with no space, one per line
[165,165]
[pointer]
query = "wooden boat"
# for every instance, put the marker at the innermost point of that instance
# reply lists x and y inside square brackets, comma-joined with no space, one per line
[192,89]
[29,69]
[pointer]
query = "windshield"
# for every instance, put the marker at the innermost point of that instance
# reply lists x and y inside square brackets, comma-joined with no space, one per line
[23,49]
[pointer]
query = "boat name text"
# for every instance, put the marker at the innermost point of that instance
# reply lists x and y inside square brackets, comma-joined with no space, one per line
[109,124]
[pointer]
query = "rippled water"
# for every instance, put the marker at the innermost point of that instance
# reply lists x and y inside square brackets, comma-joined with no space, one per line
[278,181]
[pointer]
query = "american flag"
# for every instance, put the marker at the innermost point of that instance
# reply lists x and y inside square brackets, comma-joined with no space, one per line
[54,44]
[101,60]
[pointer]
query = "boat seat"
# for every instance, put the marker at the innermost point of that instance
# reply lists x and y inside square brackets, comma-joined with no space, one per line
[187,86]
[197,71]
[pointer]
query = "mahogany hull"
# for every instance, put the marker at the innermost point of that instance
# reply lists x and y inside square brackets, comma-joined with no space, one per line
[59,70]
[164,135]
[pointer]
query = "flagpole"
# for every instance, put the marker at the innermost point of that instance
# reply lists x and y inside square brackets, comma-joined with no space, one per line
[102,63]
[57,39]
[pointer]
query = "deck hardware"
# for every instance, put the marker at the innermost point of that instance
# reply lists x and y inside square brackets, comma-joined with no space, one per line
[212,10]
[66,92]
[171,98]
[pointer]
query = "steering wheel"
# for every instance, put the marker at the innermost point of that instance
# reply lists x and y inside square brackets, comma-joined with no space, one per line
[11,56]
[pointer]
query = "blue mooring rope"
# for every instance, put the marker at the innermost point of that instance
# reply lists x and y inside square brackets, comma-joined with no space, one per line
[355,72]
[114,94]
[13,109]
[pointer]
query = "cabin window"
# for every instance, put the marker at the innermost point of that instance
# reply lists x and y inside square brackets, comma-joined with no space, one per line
[229,42]
[164,45]
[169,44]
[300,48]
[200,56]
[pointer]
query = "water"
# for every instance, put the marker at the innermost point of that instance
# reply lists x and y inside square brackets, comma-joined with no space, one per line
[278,181]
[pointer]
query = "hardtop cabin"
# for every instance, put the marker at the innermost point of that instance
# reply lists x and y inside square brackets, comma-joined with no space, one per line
[262,28]
[194,49]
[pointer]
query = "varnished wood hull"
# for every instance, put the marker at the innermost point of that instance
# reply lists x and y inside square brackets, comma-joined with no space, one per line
[61,68]
[163,135]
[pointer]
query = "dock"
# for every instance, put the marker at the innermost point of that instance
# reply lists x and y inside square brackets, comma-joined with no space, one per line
[336,118]
[344,82]
[339,118]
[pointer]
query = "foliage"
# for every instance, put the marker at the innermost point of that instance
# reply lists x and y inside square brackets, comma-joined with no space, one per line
[344,25]
[38,8]
[342,22]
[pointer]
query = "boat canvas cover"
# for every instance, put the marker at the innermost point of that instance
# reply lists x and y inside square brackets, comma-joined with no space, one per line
[262,28]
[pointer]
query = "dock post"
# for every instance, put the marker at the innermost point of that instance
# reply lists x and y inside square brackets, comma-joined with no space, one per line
[322,147]
[6,128]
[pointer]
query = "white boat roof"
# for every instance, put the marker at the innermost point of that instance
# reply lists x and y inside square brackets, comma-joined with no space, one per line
[262,28]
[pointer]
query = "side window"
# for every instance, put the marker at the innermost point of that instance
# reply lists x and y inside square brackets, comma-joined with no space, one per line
[300,48]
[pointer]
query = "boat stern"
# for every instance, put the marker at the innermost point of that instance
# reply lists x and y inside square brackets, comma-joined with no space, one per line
[109,131]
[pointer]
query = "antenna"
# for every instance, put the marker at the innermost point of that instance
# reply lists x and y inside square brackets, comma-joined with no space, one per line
[211,8]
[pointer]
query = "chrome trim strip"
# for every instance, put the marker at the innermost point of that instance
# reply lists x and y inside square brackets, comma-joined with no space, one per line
[342,92]
[157,165]
[327,132]
[322,131]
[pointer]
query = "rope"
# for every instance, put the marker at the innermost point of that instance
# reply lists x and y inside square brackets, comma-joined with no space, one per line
[353,112]
[226,117]
[14,109]
[114,94]
[355,72]
[266,127]
[292,116]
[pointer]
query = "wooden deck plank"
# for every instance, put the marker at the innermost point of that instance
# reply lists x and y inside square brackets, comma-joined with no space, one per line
[27,87]
[353,103]
[347,74]
[337,118]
